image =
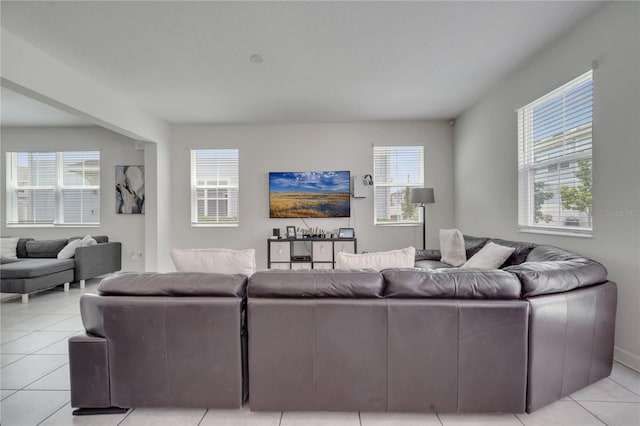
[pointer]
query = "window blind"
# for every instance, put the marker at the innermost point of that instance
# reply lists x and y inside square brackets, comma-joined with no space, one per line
[53,188]
[214,186]
[555,159]
[396,170]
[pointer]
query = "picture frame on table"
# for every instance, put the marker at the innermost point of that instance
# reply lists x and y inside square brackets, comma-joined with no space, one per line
[291,231]
[346,233]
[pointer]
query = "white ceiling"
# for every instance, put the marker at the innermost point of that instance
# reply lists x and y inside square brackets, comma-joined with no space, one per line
[19,110]
[188,62]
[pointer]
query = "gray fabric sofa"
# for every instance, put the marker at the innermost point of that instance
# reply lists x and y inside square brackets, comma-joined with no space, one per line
[38,268]
[161,340]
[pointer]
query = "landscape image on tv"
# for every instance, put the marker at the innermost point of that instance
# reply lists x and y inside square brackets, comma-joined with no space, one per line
[309,194]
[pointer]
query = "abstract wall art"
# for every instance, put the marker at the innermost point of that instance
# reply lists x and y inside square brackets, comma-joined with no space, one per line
[130,189]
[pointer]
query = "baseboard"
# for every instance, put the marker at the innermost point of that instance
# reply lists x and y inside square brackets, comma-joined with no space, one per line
[626,358]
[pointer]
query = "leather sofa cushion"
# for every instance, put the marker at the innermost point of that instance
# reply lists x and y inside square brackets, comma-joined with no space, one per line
[472,245]
[431,264]
[428,254]
[355,283]
[519,255]
[545,253]
[451,283]
[44,248]
[173,284]
[558,276]
[31,268]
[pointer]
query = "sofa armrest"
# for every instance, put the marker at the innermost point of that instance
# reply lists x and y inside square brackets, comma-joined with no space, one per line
[89,371]
[99,259]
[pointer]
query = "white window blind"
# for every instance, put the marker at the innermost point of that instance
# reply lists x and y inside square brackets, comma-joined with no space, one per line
[396,170]
[555,160]
[214,186]
[53,188]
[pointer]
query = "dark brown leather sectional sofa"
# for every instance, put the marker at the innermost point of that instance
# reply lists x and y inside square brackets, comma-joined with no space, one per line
[442,340]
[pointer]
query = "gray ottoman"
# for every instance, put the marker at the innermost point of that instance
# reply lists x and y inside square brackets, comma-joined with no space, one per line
[26,276]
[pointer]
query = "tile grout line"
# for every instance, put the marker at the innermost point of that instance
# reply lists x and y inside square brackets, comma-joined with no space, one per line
[24,388]
[359,418]
[55,411]
[129,411]
[281,416]
[620,384]
[203,416]
[518,419]
[439,419]
[588,411]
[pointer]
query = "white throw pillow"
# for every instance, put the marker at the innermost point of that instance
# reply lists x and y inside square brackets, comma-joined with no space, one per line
[9,247]
[70,249]
[491,256]
[452,247]
[217,260]
[88,240]
[404,258]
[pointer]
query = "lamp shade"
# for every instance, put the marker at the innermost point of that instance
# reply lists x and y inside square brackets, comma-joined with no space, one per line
[422,196]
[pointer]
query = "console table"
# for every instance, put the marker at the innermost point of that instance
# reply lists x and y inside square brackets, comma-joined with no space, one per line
[307,253]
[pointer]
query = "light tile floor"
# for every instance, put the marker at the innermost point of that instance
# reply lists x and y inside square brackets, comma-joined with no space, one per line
[34,382]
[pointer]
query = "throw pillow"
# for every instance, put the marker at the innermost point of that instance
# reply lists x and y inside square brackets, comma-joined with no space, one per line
[404,258]
[88,240]
[70,249]
[452,247]
[9,247]
[490,256]
[217,260]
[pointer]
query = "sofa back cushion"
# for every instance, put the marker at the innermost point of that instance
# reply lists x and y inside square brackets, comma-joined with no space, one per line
[22,247]
[557,276]
[173,284]
[519,255]
[9,247]
[454,283]
[472,245]
[544,253]
[100,239]
[364,283]
[44,248]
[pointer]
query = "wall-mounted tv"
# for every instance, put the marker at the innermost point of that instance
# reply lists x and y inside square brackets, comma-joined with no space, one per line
[309,194]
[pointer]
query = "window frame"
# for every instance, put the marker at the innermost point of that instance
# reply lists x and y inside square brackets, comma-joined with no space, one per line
[12,188]
[527,165]
[377,184]
[228,186]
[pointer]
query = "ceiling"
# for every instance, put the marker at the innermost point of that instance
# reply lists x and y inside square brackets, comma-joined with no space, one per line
[19,110]
[188,62]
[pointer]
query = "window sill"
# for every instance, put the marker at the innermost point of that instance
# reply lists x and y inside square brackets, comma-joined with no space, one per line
[559,232]
[35,225]
[215,225]
[400,224]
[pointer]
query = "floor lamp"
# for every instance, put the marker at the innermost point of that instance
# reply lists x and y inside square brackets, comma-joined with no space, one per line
[423,196]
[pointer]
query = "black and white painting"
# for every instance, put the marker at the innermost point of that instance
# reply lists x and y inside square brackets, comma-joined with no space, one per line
[130,189]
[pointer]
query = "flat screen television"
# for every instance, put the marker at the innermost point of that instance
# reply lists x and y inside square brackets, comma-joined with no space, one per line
[309,194]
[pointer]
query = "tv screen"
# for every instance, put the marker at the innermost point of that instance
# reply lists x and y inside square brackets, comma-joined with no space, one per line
[309,194]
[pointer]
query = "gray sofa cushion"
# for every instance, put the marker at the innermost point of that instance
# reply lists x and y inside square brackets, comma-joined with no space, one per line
[472,245]
[545,253]
[44,248]
[173,284]
[454,283]
[360,283]
[21,249]
[99,238]
[30,268]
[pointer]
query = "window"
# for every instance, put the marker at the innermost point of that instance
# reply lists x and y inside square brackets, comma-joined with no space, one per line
[214,187]
[53,188]
[396,170]
[555,160]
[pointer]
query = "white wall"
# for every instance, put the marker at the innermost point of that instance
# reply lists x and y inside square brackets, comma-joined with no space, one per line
[309,147]
[486,155]
[114,150]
